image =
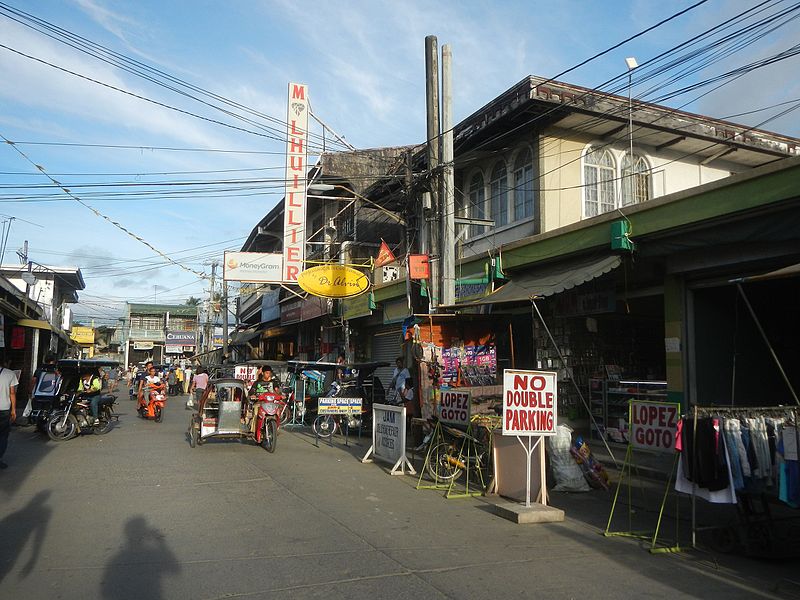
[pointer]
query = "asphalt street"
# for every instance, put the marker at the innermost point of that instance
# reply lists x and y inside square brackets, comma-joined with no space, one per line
[139,514]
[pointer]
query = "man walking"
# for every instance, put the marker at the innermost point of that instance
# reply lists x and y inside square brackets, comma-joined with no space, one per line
[187,378]
[8,408]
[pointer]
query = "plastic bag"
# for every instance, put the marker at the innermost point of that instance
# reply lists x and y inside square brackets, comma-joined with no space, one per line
[568,475]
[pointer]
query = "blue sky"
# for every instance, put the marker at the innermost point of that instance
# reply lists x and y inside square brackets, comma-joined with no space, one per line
[364,64]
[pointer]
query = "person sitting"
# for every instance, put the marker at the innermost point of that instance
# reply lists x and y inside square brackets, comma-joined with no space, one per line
[268,375]
[90,386]
[139,383]
[152,384]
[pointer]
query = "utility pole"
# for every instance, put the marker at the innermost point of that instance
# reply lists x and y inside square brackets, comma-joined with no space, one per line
[209,321]
[409,180]
[448,256]
[224,319]
[432,222]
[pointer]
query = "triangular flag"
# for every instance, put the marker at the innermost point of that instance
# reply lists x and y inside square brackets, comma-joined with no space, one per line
[385,255]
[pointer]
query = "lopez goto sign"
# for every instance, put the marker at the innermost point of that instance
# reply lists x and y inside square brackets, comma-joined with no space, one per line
[654,425]
[529,402]
[294,211]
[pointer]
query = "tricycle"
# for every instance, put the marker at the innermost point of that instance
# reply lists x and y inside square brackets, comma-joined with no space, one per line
[228,411]
[78,399]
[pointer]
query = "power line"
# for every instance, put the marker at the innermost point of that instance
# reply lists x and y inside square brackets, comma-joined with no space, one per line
[101,215]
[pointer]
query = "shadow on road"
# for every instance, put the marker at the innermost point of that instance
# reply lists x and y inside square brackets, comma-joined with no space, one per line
[139,568]
[17,528]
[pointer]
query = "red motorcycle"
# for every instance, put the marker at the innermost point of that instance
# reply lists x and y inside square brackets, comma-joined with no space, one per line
[270,405]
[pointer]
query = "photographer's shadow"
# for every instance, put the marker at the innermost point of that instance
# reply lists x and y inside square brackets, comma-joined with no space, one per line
[139,568]
[15,529]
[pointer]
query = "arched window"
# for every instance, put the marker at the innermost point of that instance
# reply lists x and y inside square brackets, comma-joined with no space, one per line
[635,180]
[598,187]
[477,203]
[498,188]
[523,186]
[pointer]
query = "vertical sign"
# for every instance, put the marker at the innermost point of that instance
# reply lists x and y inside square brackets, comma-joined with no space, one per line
[294,211]
[529,402]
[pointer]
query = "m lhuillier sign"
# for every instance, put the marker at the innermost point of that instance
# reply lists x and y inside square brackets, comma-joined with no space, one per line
[294,212]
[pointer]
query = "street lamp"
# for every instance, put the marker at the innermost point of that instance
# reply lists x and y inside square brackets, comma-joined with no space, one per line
[631,64]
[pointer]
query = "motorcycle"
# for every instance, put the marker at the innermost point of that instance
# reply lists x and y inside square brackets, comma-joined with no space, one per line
[156,400]
[73,417]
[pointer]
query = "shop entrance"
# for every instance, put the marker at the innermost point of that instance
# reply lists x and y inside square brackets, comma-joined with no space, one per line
[730,362]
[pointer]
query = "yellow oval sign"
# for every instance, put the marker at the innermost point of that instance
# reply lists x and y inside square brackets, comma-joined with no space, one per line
[333,281]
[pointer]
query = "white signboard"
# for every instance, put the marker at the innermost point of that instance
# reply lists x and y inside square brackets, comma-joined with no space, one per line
[654,425]
[294,212]
[253,267]
[246,373]
[529,402]
[454,407]
[174,349]
[143,345]
[389,438]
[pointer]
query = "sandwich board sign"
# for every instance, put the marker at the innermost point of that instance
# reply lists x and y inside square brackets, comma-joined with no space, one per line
[530,405]
[389,438]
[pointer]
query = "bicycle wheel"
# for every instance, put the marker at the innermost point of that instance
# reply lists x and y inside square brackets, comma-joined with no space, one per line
[443,463]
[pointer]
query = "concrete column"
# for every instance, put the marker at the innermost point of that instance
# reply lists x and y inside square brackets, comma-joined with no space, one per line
[674,334]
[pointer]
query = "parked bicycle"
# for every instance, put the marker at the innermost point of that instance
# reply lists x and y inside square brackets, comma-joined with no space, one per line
[457,451]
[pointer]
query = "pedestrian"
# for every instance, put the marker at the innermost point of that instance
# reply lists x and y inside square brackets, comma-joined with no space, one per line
[198,386]
[171,382]
[179,379]
[8,407]
[187,378]
[397,388]
[113,376]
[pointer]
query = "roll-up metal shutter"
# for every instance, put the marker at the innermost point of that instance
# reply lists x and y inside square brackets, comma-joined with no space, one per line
[386,346]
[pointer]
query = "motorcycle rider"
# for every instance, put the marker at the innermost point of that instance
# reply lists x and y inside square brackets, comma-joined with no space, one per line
[89,386]
[152,383]
[139,382]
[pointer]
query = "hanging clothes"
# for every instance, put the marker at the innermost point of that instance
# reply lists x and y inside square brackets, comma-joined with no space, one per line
[704,458]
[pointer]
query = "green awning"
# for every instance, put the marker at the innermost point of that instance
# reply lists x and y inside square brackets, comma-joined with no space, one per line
[550,279]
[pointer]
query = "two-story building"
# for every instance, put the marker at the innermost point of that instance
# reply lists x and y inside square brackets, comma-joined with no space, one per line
[160,332]
[607,212]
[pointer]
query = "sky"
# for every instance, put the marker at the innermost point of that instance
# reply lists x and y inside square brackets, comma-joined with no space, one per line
[364,64]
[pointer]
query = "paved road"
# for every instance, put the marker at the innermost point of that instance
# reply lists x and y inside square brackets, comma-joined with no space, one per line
[139,514]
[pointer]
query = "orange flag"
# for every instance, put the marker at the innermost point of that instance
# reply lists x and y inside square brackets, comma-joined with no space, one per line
[385,255]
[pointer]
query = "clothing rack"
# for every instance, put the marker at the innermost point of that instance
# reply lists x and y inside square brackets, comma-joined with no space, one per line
[790,412]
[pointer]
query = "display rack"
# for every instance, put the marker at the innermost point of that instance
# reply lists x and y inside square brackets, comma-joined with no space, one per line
[608,401]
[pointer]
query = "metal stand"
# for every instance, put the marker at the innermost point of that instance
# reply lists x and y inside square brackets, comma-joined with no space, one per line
[294,422]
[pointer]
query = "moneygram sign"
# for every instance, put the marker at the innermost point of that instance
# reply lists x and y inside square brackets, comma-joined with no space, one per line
[253,267]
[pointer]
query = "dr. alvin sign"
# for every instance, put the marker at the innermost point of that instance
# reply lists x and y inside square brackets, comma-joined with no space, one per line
[333,281]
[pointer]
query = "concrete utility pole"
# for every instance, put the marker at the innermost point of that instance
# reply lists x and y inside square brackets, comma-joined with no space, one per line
[432,220]
[209,322]
[448,256]
[224,320]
